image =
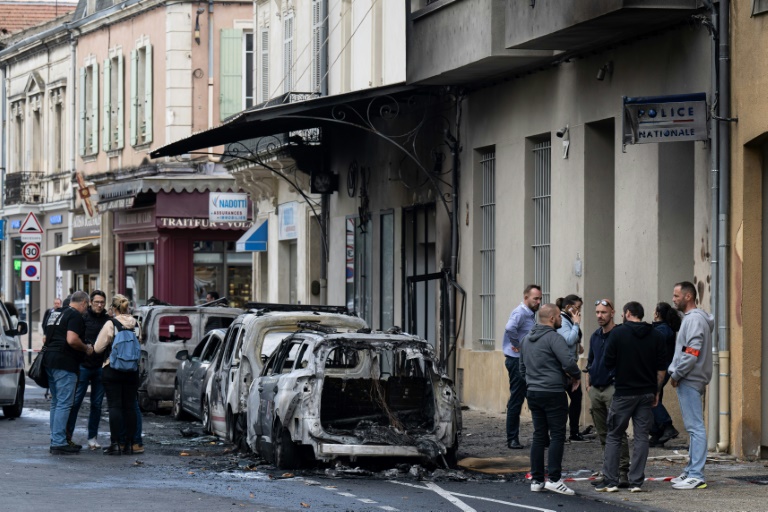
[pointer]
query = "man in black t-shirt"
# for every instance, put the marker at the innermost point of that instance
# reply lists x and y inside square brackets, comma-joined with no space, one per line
[65,350]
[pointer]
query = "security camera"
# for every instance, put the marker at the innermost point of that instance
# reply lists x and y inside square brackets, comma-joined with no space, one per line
[562,131]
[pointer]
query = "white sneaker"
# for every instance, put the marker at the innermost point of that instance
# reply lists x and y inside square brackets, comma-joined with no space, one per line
[536,486]
[678,479]
[559,487]
[93,444]
[691,483]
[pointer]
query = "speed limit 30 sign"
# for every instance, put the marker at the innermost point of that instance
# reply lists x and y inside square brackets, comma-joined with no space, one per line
[31,251]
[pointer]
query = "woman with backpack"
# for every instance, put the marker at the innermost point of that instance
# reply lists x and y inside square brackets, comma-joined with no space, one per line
[120,374]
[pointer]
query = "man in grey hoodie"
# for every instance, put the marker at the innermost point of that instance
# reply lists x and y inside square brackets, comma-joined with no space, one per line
[691,371]
[544,362]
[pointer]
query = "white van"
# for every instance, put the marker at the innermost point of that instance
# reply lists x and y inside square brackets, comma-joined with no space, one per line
[11,365]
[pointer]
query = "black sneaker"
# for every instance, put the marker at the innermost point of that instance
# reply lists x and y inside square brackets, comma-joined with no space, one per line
[74,445]
[623,482]
[577,438]
[64,449]
[669,433]
[515,445]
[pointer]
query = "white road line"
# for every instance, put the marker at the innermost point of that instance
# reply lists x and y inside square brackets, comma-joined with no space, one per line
[441,492]
[366,500]
[482,498]
[330,488]
[347,494]
[390,509]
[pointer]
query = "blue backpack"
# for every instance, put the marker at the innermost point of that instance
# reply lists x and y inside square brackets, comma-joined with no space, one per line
[125,352]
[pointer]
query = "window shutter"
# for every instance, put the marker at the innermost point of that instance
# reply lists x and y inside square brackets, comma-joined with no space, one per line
[265,64]
[148,95]
[231,71]
[133,126]
[120,118]
[317,43]
[288,53]
[106,142]
[81,137]
[94,142]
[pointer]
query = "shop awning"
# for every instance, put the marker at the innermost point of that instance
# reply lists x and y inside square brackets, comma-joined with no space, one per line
[121,195]
[65,249]
[283,115]
[255,239]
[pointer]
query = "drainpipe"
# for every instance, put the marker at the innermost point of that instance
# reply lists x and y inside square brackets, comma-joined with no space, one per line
[455,151]
[713,416]
[210,73]
[724,102]
[325,199]
[3,158]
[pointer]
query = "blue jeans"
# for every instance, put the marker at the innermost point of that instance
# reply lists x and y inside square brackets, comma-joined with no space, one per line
[517,390]
[62,385]
[661,418]
[550,413]
[88,376]
[693,418]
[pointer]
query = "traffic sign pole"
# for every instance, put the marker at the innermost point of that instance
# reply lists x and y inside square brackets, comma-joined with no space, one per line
[28,298]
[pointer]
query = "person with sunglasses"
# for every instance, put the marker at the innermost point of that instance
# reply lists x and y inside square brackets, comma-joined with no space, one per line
[600,387]
[90,371]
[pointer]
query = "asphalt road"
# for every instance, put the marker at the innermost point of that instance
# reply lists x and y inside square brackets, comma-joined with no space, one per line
[198,473]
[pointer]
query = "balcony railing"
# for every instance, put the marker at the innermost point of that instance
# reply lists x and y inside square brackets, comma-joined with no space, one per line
[24,188]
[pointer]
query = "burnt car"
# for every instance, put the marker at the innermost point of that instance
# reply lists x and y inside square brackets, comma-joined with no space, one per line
[163,331]
[193,375]
[249,341]
[324,395]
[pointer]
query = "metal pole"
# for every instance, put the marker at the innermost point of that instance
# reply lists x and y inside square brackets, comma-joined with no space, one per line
[28,290]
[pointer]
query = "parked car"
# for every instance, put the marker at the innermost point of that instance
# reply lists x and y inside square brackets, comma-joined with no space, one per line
[193,375]
[12,378]
[324,396]
[163,332]
[249,341]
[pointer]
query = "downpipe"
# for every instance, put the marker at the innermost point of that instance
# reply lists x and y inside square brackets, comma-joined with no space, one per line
[713,416]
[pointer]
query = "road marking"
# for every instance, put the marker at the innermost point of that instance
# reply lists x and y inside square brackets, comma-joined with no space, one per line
[441,492]
[347,494]
[460,495]
[366,500]
[390,509]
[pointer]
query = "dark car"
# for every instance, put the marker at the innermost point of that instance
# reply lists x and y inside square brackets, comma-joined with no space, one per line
[193,375]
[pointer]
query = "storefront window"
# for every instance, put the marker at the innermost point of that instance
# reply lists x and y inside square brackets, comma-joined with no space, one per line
[210,259]
[139,272]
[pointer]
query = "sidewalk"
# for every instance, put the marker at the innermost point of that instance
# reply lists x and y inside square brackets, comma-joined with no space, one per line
[733,485]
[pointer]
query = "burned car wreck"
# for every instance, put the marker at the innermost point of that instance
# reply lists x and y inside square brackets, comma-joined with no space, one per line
[323,395]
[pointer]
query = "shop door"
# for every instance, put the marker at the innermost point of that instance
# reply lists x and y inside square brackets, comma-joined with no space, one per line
[418,246]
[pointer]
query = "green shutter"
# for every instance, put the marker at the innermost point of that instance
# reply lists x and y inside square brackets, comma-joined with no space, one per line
[231,71]
[106,143]
[120,90]
[148,95]
[133,127]
[95,108]
[81,135]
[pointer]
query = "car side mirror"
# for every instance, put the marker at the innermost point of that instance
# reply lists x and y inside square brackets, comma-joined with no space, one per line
[20,330]
[182,355]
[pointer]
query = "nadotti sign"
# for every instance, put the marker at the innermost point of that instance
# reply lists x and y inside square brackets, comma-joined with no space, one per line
[227,206]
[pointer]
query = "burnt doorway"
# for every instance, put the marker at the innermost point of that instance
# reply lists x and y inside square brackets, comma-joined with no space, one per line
[421,282]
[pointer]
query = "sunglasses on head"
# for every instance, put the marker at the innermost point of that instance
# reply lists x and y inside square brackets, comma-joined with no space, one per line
[603,302]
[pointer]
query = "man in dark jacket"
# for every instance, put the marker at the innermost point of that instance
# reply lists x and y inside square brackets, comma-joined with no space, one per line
[544,362]
[90,371]
[636,351]
[65,350]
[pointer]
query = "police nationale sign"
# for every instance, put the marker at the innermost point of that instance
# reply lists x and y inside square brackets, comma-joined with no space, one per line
[227,207]
[676,118]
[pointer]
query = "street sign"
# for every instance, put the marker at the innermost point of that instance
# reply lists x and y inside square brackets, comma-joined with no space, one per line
[31,225]
[31,251]
[30,270]
[35,238]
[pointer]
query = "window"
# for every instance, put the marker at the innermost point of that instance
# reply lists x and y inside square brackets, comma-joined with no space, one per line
[288,52]
[488,247]
[35,143]
[57,132]
[542,190]
[318,42]
[112,125]
[141,94]
[264,84]
[89,109]
[17,112]
[248,58]
[359,268]
[387,271]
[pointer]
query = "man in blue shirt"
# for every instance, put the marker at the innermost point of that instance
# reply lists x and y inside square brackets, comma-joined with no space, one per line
[520,322]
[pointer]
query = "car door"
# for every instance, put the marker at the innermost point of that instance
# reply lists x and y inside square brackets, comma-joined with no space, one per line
[11,360]
[281,364]
[220,381]
[193,386]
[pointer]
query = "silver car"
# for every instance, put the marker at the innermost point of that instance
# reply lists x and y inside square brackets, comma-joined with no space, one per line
[323,396]
[11,365]
[192,378]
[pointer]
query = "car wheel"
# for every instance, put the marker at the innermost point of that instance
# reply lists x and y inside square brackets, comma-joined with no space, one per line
[177,411]
[286,451]
[14,411]
[240,432]
[206,417]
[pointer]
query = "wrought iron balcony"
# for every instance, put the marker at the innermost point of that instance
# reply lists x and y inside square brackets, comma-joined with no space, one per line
[24,188]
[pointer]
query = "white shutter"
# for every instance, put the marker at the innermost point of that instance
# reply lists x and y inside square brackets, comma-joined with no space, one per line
[265,64]
[288,53]
[317,44]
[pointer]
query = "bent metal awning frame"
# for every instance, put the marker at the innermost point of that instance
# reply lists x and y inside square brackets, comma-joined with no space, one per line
[66,249]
